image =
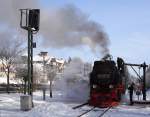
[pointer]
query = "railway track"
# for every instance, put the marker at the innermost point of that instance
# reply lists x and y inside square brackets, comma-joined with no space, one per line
[86,112]
[91,109]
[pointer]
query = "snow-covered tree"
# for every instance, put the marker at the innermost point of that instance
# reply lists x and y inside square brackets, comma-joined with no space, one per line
[22,74]
[51,74]
[10,48]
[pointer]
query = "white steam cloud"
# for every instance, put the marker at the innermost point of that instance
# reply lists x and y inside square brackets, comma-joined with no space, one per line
[75,84]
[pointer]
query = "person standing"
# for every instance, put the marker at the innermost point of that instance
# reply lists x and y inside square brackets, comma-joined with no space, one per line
[131,88]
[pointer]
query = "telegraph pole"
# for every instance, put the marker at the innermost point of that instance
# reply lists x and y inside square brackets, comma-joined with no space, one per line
[31,18]
[144,81]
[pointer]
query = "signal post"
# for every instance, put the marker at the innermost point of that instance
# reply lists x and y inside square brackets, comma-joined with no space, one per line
[30,19]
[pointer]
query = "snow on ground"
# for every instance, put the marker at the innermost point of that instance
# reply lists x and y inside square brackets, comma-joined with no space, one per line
[3,80]
[57,107]
[70,92]
[61,107]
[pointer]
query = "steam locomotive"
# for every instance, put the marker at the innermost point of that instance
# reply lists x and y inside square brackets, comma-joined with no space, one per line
[106,83]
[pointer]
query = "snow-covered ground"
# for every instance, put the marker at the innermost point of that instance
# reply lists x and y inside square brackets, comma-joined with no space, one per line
[71,90]
[3,80]
[59,106]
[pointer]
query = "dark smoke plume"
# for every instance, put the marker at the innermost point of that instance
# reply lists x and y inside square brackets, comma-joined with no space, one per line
[69,27]
[63,27]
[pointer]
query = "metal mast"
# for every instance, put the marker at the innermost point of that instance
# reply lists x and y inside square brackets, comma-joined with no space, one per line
[31,24]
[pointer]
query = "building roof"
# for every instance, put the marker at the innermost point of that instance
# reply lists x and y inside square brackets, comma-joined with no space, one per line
[49,59]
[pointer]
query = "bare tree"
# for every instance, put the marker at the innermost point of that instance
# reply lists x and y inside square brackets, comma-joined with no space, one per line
[22,74]
[37,74]
[51,74]
[10,48]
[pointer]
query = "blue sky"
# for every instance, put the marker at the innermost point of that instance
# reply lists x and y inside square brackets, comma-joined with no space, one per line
[127,23]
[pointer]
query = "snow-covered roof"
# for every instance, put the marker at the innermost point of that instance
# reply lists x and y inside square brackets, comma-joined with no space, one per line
[60,61]
[39,58]
[48,59]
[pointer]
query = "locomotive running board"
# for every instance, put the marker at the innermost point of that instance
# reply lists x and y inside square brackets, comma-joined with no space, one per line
[80,105]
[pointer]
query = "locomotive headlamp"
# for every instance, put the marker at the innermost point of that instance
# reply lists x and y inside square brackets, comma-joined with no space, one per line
[111,86]
[94,86]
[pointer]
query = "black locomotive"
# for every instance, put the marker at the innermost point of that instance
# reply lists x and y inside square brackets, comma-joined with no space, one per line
[106,86]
